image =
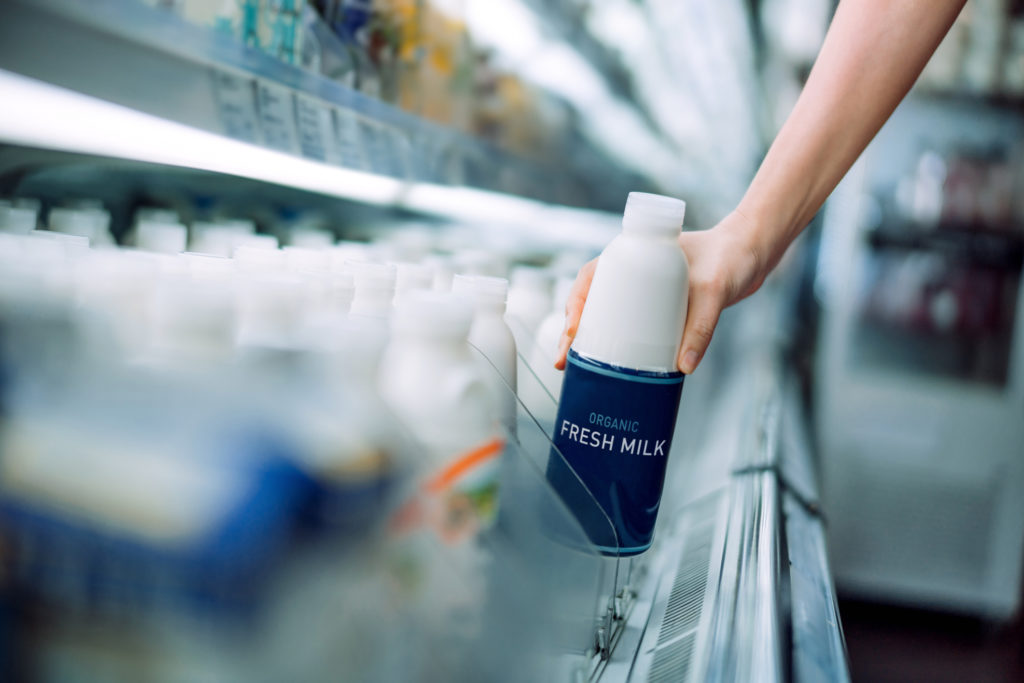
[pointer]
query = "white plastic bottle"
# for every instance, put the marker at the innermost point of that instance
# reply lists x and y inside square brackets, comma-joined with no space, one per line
[164,237]
[411,277]
[529,300]
[371,309]
[374,289]
[270,307]
[540,391]
[18,221]
[491,335]
[621,389]
[308,237]
[432,382]
[443,273]
[91,223]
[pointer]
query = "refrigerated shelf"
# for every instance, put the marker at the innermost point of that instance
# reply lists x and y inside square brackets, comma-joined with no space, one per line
[739,586]
[35,117]
[155,63]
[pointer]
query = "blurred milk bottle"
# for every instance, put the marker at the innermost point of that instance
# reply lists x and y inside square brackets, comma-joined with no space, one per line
[491,336]
[540,392]
[374,289]
[529,300]
[412,277]
[434,385]
[621,390]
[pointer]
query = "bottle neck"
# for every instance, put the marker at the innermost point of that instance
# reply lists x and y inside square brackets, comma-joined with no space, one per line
[489,308]
[651,234]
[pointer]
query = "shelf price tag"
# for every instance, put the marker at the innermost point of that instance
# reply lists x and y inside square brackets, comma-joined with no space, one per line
[277,118]
[377,160]
[347,139]
[314,124]
[401,152]
[236,106]
[455,167]
[432,157]
[474,168]
[385,149]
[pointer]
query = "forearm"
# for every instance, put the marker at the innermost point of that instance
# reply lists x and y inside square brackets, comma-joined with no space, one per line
[873,53]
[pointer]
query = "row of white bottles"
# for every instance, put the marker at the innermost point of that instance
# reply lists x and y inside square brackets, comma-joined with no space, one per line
[272,295]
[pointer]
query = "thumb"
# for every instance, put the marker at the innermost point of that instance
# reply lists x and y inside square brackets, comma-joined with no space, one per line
[701,320]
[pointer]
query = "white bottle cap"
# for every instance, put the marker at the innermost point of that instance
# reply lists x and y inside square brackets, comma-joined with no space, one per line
[21,221]
[653,214]
[213,240]
[152,213]
[256,241]
[160,236]
[433,315]
[242,226]
[73,222]
[481,289]
[311,238]
[30,203]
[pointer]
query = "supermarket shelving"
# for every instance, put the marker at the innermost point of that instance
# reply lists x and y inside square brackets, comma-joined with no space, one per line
[156,65]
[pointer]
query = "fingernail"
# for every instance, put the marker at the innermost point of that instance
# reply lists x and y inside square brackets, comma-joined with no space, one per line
[690,359]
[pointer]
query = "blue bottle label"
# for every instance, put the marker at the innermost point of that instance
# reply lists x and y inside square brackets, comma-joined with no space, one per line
[614,429]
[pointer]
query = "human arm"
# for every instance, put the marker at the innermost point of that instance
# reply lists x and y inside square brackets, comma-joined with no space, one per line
[872,54]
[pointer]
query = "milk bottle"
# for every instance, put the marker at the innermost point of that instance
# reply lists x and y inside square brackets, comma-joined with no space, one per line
[621,389]
[491,335]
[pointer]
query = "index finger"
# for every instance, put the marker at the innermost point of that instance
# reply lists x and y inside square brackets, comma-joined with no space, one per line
[574,310]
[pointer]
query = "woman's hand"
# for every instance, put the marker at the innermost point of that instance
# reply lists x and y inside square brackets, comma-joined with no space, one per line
[725,267]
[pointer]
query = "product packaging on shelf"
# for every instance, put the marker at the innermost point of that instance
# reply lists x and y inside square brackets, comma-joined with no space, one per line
[206,455]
